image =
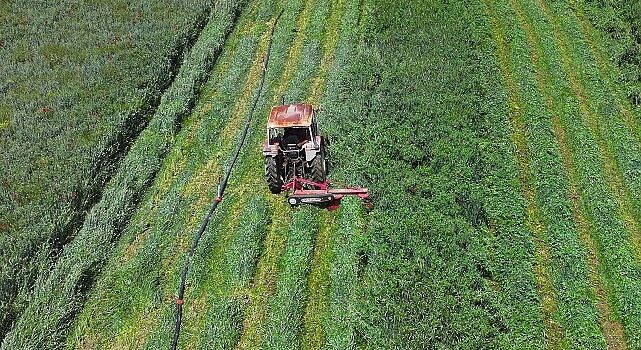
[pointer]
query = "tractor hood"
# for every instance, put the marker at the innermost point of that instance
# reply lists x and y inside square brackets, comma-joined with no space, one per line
[287,116]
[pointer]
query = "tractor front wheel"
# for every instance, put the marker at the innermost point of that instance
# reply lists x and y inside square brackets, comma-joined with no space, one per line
[272,175]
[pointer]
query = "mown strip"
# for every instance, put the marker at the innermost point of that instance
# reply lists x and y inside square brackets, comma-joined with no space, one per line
[306,64]
[219,237]
[191,190]
[547,293]
[329,46]
[313,333]
[264,284]
[609,325]
[285,314]
[294,280]
[508,243]
[614,122]
[620,274]
[340,34]
[214,277]
[611,169]
[226,291]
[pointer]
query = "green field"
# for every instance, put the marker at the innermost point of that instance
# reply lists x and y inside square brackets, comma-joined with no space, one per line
[500,141]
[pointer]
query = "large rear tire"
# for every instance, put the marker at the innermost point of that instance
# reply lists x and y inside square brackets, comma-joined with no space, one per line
[317,168]
[272,175]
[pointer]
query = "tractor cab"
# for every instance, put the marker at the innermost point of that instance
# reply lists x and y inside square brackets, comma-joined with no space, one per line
[291,125]
[293,147]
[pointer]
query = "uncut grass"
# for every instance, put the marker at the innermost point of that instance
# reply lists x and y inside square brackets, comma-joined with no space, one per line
[339,319]
[59,297]
[616,23]
[421,242]
[620,269]
[65,124]
[617,40]
[608,73]
[160,212]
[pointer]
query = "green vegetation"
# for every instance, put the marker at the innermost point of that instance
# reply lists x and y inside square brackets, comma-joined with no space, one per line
[499,140]
[59,294]
[284,318]
[619,22]
[424,278]
[78,84]
[559,91]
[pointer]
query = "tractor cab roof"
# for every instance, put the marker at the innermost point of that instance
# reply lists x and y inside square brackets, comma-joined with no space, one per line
[294,115]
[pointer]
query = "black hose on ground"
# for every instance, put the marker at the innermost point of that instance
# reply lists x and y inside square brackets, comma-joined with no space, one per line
[221,191]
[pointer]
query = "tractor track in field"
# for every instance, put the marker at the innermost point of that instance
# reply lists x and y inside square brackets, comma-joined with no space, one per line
[612,329]
[257,73]
[612,172]
[547,293]
[265,279]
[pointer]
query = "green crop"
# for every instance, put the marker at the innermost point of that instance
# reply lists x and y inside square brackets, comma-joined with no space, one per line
[499,140]
[79,81]
[60,294]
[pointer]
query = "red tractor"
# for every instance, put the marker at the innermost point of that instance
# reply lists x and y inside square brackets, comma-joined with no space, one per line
[295,158]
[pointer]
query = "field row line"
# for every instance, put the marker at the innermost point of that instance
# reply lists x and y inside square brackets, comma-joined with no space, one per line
[264,283]
[611,327]
[611,169]
[583,219]
[547,293]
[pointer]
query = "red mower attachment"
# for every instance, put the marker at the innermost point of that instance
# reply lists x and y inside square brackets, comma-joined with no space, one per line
[303,191]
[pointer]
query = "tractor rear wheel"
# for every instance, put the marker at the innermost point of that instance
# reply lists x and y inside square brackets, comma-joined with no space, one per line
[272,175]
[317,168]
